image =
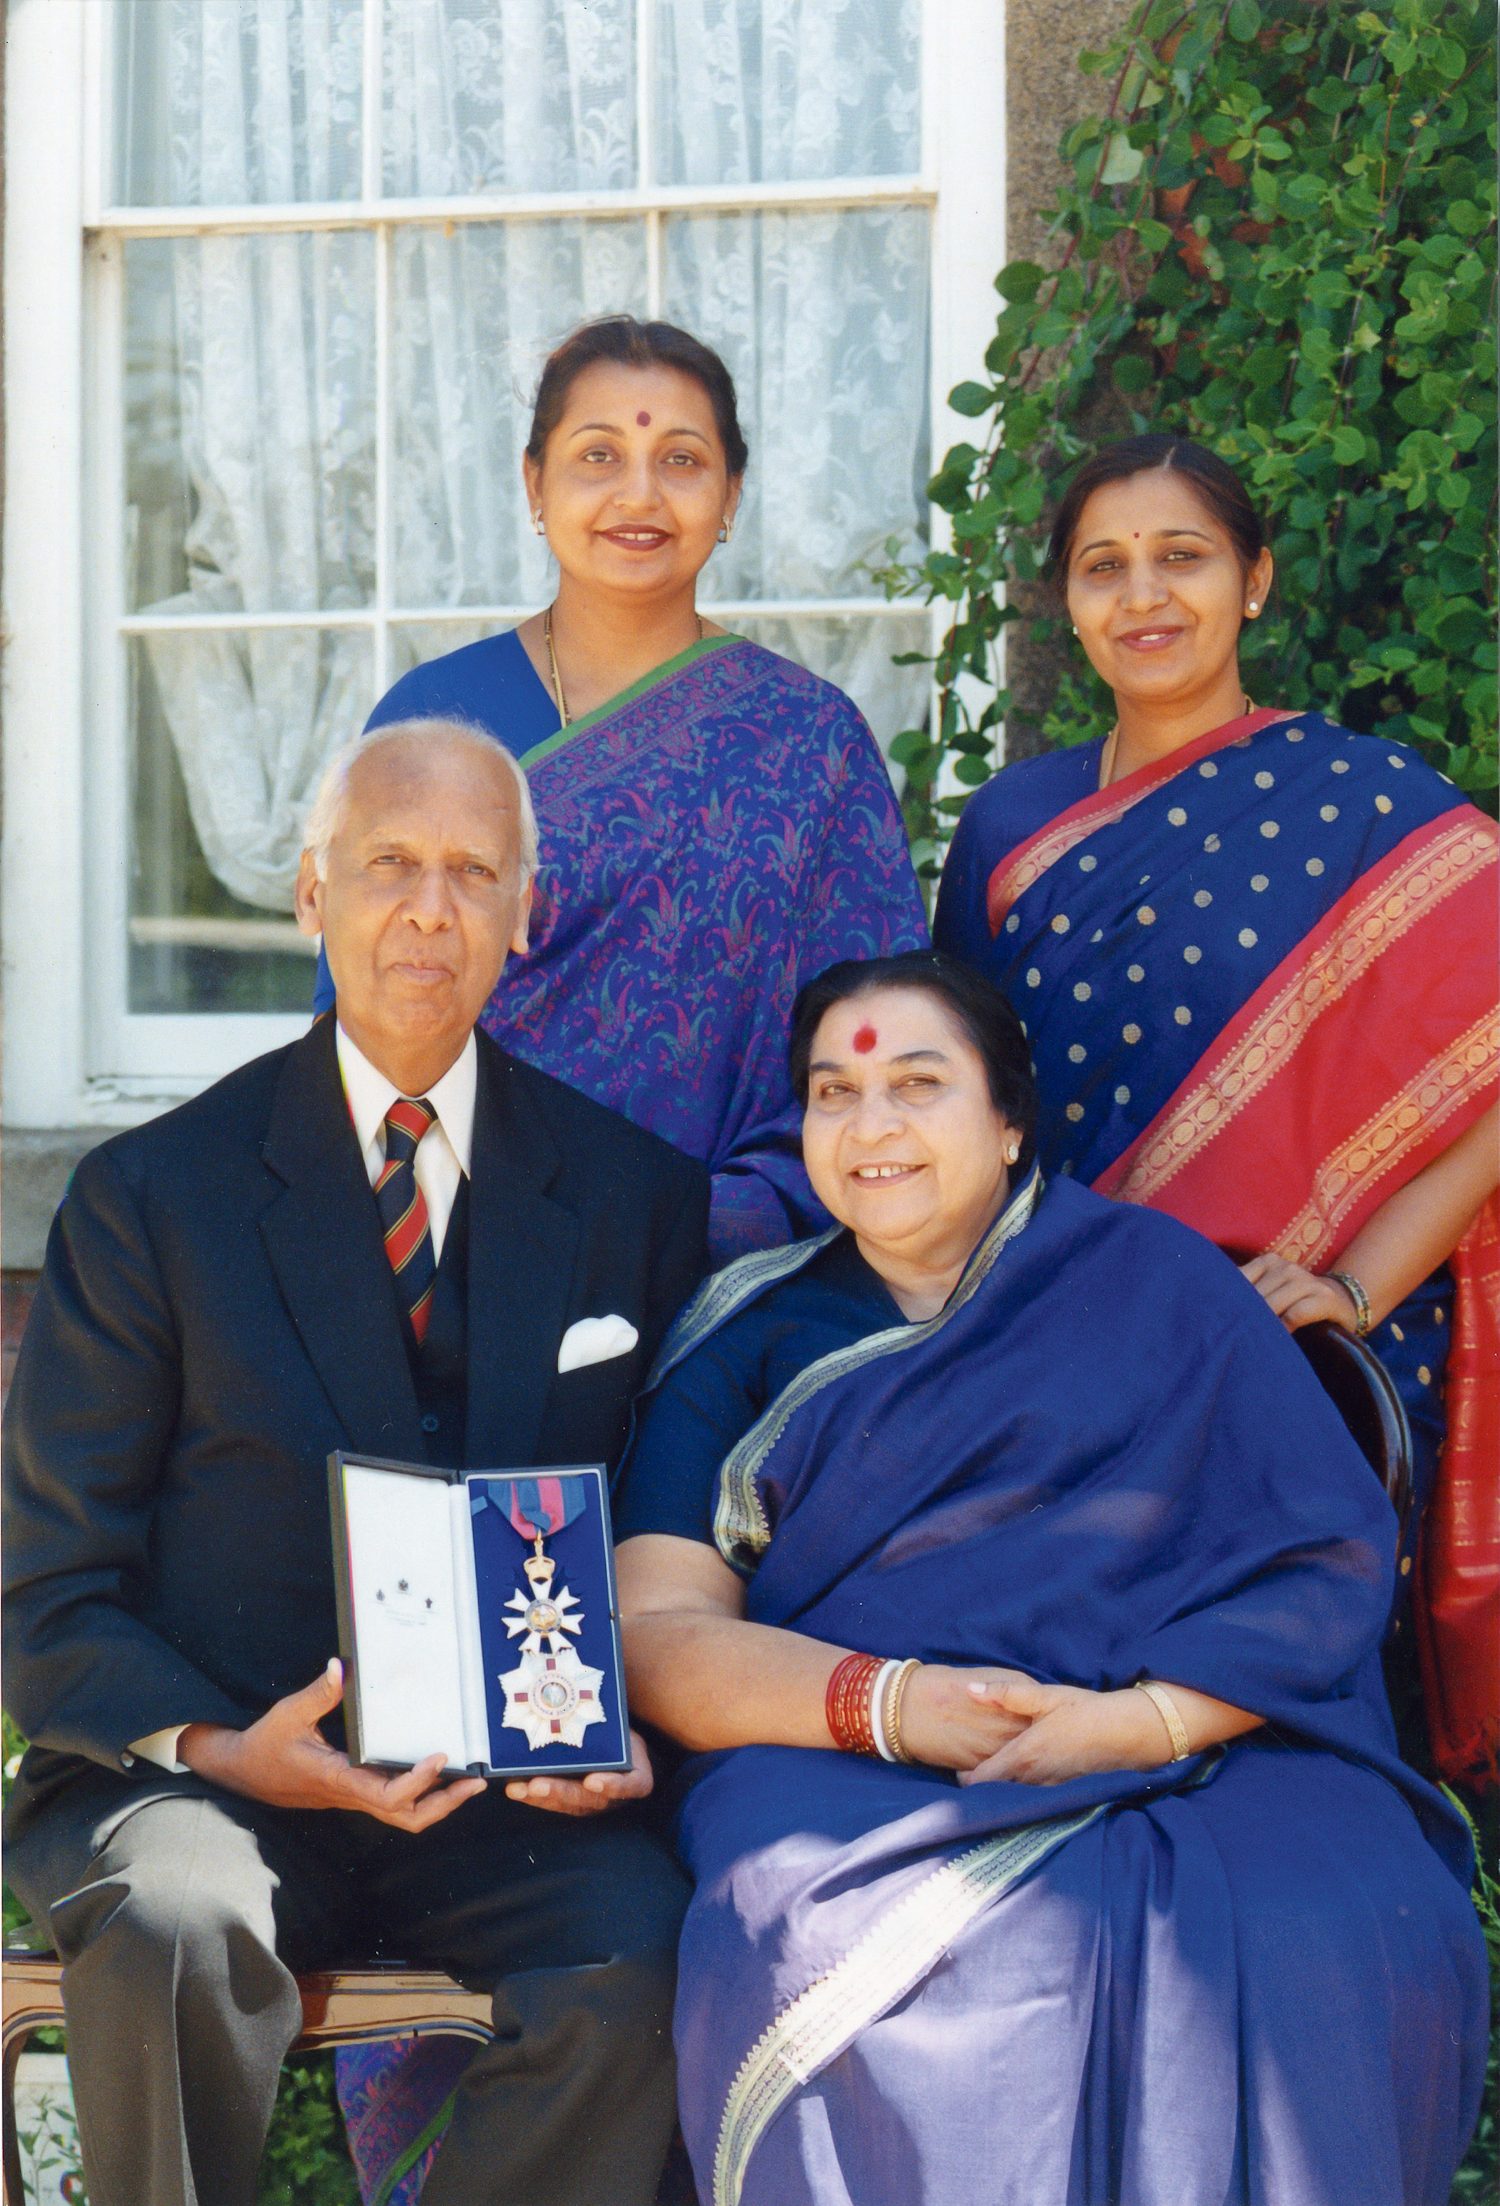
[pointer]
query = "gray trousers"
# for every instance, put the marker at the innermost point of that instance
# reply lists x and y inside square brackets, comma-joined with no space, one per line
[181,1932]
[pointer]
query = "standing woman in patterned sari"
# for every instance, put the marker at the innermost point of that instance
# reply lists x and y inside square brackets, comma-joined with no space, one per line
[716,824]
[1256,958]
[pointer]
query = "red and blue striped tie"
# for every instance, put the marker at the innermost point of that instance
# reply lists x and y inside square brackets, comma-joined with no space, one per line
[403,1209]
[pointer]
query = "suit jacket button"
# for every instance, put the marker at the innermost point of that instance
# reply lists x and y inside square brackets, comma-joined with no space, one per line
[429,1423]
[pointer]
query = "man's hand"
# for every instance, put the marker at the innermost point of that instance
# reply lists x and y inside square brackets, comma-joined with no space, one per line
[285,1760]
[588,1795]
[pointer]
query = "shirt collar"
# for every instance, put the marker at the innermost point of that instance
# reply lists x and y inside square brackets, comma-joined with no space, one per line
[370,1095]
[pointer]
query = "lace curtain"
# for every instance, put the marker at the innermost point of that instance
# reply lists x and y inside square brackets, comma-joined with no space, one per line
[252,429]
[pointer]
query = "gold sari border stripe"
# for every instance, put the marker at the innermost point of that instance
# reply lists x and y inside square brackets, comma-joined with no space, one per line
[1261,1051]
[741,1531]
[1446,1084]
[877,1971]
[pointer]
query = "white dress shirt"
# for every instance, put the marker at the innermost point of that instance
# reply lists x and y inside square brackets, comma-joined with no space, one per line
[442,1161]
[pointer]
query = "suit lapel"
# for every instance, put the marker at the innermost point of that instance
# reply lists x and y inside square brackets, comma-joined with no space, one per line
[322,1235]
[522,1248]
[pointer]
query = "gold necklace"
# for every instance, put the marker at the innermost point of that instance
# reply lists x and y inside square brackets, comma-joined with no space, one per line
[563,713]
[1112,744]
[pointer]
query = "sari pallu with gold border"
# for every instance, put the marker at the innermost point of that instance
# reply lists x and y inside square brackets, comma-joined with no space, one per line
[1240,1978]
[1259,980]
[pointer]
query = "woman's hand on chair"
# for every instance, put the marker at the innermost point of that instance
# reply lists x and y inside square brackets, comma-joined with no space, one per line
[1299,1297]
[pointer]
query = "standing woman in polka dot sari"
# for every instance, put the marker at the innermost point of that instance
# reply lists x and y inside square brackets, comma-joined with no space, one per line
[1256,958]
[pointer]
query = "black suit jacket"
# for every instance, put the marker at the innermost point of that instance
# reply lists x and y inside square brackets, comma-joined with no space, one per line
[217,1312]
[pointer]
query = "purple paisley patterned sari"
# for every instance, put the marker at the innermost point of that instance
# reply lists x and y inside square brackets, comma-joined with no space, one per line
[710,839]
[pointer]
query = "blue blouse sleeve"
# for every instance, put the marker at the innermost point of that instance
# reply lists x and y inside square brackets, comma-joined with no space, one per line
[668,1480]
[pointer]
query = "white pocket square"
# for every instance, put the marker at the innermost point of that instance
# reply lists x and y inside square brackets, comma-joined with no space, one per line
[595,1340]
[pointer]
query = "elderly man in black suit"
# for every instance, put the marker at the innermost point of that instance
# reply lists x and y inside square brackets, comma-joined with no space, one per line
[217,1312]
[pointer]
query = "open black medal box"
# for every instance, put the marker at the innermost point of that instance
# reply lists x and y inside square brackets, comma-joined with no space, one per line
[478,1618]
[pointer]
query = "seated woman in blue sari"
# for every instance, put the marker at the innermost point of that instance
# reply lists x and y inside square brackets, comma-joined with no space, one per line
[1018,1592]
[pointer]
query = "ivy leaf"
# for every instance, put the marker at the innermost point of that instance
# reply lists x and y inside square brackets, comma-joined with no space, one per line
[1019,282]
[971,398]
[1123,162]
[1131,373]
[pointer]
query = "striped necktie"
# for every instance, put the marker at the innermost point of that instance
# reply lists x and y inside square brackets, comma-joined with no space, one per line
[403,1210]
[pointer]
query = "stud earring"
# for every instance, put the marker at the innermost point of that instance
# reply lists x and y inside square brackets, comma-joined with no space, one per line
[726,529]
[538,523]
[1252,607]
[1011,1155]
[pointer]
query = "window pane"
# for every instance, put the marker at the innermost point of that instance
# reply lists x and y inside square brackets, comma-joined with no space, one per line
[823,319]
[250,422]
[413,643]
[473,316]
[223,104]
[230,734]
[508,95]
[752,91]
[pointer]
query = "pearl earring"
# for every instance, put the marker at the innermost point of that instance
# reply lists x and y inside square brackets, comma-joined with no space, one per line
[1011,1155]
[538,523]
[1252,607]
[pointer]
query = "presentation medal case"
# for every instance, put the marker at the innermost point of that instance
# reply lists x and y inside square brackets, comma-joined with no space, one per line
[477,1618]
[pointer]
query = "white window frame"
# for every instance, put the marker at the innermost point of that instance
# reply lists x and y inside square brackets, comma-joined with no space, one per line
[75,1055]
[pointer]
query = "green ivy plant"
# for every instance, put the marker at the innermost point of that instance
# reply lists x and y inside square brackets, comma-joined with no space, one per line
[1280,240]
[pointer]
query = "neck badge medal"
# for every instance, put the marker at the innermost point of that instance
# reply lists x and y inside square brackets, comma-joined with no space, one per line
[551,1696]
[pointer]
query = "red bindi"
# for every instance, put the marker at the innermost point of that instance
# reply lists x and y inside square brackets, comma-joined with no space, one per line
[865,1040]
[644,420]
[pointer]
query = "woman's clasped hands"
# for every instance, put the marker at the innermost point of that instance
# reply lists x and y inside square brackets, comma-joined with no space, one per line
[992,1725]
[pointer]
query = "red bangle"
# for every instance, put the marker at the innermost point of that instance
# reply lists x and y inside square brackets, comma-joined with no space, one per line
[846,1705]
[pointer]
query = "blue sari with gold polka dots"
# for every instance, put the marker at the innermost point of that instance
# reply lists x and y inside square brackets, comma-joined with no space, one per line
[1132,928]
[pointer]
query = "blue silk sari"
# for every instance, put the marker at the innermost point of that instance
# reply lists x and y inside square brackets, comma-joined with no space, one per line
[1254,1976]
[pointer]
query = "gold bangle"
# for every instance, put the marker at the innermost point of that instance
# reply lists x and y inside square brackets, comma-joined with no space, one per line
[1358,1297]
[1162,1701]
[890,1719]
